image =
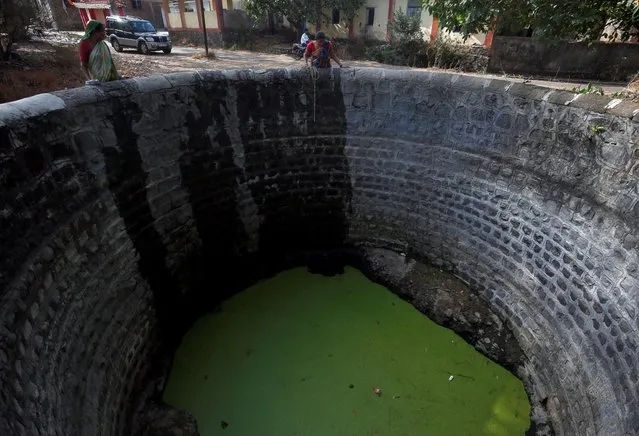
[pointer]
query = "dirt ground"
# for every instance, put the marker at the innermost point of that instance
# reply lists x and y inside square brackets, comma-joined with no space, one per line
[52,63]
[45,66]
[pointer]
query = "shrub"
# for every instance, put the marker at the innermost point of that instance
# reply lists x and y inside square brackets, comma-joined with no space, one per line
[407,47]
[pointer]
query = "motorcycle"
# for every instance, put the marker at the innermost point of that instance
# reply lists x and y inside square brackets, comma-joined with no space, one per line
[298,50]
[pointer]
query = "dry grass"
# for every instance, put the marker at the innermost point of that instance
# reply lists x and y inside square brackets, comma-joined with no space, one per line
[211,55]
[634,83]
[42,68]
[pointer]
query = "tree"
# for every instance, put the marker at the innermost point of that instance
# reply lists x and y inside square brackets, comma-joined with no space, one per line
[552,19]
[15,17]
[296,11]
[350,8]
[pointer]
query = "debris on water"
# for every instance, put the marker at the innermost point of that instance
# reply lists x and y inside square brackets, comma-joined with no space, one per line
[377,391]
[224,424]
[450,379]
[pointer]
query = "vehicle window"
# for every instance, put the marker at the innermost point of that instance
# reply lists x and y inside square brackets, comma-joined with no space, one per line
[142,26]
[115,25]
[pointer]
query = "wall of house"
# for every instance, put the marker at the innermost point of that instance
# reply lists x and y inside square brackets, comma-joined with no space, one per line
[175,20]
[64,17]
[189,19]
[150,10]
[97,14]
[360,28]
[210,17]
[380,25]
[478,38]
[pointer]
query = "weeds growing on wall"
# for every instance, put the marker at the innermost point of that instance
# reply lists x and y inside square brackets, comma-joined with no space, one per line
[588,89]
[408,47]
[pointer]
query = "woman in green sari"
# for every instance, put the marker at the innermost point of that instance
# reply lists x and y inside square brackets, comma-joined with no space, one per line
[95,56]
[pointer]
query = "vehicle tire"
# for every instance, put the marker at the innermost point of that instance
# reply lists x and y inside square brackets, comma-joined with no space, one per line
[116,45]
[143,48]
[166,50]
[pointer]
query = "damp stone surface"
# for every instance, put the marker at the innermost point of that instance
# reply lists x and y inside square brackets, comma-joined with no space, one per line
[130,209]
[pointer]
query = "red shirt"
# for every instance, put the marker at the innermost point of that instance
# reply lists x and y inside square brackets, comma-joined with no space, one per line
[312,47]
[85,51]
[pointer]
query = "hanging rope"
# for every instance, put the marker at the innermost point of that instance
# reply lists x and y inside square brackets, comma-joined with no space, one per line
[314,76]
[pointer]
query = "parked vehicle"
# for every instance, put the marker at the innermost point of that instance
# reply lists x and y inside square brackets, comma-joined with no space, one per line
[298,50]
[138,33]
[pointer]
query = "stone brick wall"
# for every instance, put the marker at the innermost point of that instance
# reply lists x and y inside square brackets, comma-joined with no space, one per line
[129,208]
[581,60]
[509,186]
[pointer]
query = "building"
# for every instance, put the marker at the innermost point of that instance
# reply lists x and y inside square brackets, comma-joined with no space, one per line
[186,15]
[91,9]
[148,9]
[100,9]
[371,22]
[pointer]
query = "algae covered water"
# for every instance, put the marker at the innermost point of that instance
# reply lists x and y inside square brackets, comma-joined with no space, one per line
[308,355]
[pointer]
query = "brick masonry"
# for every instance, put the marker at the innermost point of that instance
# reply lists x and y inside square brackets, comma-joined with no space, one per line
[128,209]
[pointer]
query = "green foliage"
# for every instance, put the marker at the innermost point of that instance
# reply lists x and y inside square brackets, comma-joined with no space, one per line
[350,8]
[405,29]
[588,89]
[551,19]
[596,130]
[297,10]
[407,47]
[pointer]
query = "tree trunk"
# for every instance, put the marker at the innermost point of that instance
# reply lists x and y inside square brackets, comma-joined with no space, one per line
[271,23]
[5,49]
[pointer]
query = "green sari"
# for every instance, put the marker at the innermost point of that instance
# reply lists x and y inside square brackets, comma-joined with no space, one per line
[101,65]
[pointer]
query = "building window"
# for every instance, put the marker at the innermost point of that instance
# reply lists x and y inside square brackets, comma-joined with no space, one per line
[136,4]
[174,7]
[370,16]
[414,8]
[189,5]
[335,16]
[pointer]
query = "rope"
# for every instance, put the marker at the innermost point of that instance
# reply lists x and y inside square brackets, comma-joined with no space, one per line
[314,77]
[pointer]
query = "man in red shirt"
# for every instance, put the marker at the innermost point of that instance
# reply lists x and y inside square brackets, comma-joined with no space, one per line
[320,52]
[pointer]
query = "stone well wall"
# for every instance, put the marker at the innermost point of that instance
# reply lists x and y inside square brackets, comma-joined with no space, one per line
[129,207]
[580,60]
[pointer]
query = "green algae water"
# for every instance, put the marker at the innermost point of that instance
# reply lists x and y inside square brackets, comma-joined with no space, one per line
[302,354]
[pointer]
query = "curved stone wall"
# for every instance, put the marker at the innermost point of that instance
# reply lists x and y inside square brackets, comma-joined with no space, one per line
[127,208]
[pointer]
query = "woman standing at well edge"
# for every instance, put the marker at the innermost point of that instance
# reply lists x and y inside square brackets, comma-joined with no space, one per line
[95,56]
